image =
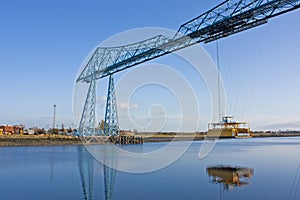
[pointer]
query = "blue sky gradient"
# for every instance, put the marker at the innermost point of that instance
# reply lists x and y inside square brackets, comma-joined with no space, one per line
[43,43]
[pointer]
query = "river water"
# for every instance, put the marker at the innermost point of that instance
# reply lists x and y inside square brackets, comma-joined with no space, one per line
[257,168]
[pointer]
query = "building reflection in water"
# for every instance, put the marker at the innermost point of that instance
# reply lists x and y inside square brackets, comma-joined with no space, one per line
[86,170]
[229,176]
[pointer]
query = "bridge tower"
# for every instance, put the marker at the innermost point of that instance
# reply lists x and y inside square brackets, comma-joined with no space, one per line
[87,121]
[111,123]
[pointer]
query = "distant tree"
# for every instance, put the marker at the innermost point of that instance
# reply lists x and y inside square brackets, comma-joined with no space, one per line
[53,131]
[39,131]
[101,125]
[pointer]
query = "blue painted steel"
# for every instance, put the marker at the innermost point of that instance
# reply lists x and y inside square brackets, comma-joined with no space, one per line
[111,124]
[87,121]
[228,18]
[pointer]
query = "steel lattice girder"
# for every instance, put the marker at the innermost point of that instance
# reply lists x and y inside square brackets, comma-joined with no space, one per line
[227,18]
[87,121]
[111,123]
[103,60]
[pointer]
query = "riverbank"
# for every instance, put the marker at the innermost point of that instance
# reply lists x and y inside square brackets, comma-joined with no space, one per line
[275,134]
[166,137]
[38,140]
[52,140]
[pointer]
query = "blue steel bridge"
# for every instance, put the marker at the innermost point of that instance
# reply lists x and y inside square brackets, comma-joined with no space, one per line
[227,18]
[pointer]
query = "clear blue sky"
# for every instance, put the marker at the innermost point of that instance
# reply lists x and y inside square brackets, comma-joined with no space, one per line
[43,43]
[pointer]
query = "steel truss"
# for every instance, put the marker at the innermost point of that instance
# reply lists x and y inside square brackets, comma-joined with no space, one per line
[228,18]
[87,121]
[111,124]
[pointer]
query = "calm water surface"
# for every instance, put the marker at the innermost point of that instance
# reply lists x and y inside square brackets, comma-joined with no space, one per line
[69,172]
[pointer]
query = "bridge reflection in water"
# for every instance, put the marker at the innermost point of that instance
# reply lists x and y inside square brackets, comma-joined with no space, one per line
[229,177]
[86,170]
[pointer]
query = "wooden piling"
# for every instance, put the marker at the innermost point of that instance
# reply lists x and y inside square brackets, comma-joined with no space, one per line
[128,139]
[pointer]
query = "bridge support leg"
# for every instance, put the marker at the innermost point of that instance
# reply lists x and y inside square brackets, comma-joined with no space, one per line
[87,121]
[111,125]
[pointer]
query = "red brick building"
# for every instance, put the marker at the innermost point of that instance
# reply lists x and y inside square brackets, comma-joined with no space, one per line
[8,129]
